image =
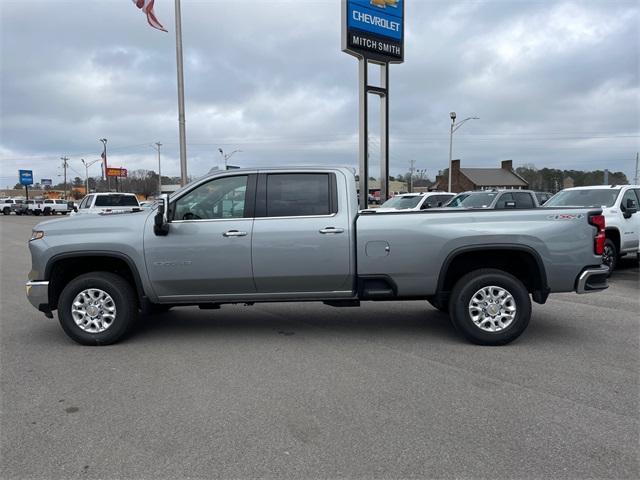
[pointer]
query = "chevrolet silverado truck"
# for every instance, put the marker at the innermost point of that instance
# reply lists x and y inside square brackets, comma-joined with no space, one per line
[295,235]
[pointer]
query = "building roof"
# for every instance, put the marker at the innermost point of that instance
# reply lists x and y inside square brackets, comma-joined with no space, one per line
[490,177]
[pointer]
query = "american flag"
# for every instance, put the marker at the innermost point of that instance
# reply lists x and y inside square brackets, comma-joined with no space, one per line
[147,7]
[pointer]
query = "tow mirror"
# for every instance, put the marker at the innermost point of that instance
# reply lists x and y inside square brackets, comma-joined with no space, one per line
[161,220]
[75,209]
[630,208]
[510,204]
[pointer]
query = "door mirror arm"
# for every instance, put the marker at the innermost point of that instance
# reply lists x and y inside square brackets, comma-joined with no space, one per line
[161,220]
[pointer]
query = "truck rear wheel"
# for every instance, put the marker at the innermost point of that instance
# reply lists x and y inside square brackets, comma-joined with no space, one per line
[6,211]
[97,308]
[490,307]
[610,255]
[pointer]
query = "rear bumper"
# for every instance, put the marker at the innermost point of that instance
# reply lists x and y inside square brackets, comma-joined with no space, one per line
[38,295]
[592,279]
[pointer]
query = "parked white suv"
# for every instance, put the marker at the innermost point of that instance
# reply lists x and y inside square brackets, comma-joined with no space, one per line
[7,205]
[416,201]
[620,208]
[108,203]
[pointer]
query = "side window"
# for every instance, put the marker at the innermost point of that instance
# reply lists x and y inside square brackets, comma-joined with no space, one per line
[300,194]
[628,195]
[48,201]
[524,200]
[219,198]
[502,201]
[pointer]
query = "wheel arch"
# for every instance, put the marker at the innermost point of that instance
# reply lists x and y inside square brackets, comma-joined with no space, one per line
[613,234]
[62,268]
[530,269]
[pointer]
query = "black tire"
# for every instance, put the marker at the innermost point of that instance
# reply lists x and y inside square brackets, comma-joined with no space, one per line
[610,255]
[124,298]
[443,307]
[6,211]
[468,286]
[63,213]
[47,211]
[37,212]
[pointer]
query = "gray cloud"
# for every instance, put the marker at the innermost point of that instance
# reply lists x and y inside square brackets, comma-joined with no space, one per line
[555,84]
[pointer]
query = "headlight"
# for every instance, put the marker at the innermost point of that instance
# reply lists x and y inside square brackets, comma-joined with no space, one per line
[36,235]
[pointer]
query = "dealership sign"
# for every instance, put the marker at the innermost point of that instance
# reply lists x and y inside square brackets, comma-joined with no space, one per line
[116,172]
[26,177]
[46,182]
[374,29]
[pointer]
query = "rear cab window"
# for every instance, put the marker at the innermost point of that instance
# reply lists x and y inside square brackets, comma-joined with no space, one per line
[116,201]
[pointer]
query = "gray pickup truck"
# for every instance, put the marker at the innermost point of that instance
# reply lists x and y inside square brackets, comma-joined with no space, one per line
[295,234]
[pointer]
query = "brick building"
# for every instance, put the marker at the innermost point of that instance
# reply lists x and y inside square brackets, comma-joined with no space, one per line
[465,179]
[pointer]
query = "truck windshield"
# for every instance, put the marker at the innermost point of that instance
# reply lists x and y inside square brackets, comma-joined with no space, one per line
[598,197]
[473,200]
[116,201]
[400,202]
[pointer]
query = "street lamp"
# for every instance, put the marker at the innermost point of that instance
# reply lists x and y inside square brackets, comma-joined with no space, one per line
[86,169]
[227,156]
[455,126]
[104,158]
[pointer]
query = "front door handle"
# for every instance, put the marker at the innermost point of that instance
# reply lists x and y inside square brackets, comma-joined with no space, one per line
[331,230]
[234,233]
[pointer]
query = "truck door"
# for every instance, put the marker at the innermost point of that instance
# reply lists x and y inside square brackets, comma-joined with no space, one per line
[302,234]
[629,227]
[207,252]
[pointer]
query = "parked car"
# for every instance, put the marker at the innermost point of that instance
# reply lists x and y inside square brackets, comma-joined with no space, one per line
[108,203]
[7,205]
[495,199]
[542,197]
[246,236]
[29,207]
[52,206]
[416,201]
[620,209]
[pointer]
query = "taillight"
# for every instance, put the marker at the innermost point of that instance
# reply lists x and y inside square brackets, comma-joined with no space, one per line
[598,242]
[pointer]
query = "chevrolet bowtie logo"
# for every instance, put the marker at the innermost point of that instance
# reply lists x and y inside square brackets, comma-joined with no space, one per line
[385,3]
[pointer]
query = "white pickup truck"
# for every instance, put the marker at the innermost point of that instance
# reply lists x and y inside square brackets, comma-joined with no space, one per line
[619,205]
[108,203]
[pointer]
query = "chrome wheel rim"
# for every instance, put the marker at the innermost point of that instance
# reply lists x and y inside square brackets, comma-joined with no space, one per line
[93,310]
[492,308]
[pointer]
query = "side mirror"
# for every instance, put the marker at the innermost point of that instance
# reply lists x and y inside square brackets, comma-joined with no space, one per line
[510,204]
[161,220]
[75,209]
[630,208]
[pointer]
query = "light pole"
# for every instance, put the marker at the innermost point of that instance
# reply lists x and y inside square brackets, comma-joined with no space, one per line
[86,170]
[104,158]
[158,145]
[227,156]
[455,126]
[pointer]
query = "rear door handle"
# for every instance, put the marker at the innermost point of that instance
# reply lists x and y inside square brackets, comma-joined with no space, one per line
[331,230]
[234,233]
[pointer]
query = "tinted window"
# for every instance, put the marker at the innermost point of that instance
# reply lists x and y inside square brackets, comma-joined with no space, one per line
[60,202]
[219,198]
[297,194]
[476,200]
[48,201]
[8,201]
[600,197]
[116,201]
[504,198]
[628,195]
[434,200]
[86,202]
[523,200]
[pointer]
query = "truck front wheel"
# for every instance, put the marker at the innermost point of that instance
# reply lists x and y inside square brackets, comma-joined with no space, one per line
[490,307]
[97,308]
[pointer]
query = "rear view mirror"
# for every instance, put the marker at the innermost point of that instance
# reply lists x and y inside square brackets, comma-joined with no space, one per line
[161,220]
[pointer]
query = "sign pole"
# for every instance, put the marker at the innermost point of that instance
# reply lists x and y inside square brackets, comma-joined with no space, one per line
[181,116]
[363,150]
[384,133]
[26,191]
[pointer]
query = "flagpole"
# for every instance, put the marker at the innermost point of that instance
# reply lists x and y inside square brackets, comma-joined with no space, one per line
[181,116]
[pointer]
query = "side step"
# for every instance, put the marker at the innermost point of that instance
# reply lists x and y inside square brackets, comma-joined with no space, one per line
[342,303]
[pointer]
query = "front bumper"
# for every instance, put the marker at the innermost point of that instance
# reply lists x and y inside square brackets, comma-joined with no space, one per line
[592,279]
[38,295]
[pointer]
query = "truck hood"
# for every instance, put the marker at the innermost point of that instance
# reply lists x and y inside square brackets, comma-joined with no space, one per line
[95,223]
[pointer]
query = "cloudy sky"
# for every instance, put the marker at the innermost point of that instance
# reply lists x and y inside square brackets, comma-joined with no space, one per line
[554,83]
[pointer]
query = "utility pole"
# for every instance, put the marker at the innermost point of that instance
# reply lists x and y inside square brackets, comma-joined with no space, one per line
[104,158]
[65,165]
[635,180]
[86,170]
[181,116]
[158,145]
[412,168]
[606,177]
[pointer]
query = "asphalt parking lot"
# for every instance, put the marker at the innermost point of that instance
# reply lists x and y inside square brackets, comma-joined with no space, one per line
[387,390]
